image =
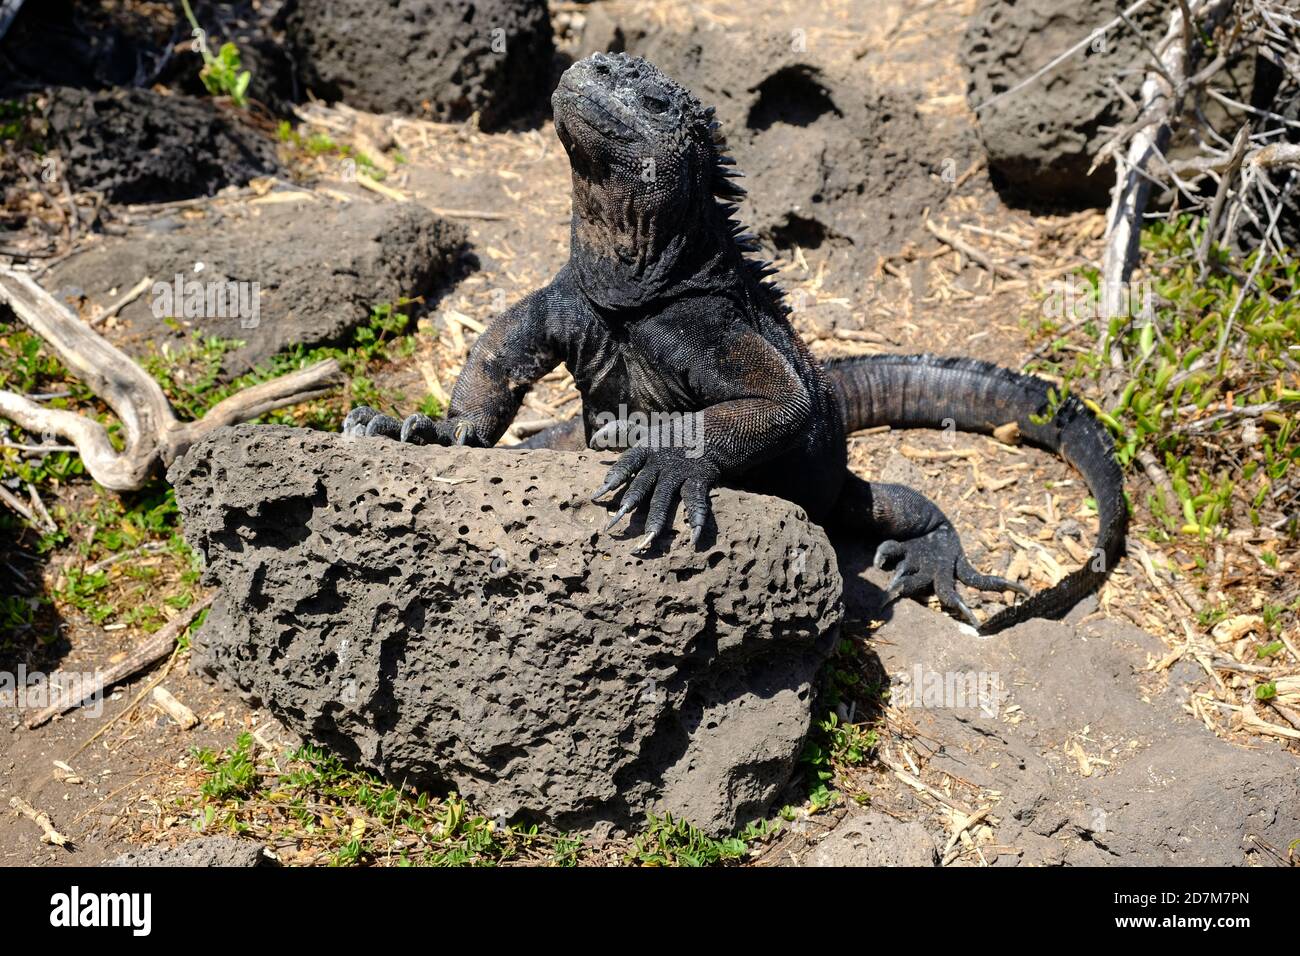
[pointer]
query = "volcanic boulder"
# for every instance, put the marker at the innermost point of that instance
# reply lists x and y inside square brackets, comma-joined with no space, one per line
[317,268]
[140,146]
[454,617]
[1041,140]
[94,45]
[219,851]
[443,60]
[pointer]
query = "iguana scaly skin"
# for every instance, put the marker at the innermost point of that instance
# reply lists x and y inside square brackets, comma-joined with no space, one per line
[659,310]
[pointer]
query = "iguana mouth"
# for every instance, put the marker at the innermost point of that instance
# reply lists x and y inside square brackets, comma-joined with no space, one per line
[581,106]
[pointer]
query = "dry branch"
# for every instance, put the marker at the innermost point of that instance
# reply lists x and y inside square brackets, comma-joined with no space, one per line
[23,511]
[1221,194]
[1160,103]
[1277,156]
[123,301]
[970,252]
[154,435]
[148,653]
[1160,90]
[41,819]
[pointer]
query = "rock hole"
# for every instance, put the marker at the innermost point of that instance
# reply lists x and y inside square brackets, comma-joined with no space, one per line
[799,231]
[792,96]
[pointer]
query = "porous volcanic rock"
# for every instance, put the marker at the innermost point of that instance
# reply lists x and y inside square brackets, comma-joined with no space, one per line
[319,267]
[1041,141]
[202,851]
[94,45]
[453,617]
[444,59]
[138,146]
[84,43]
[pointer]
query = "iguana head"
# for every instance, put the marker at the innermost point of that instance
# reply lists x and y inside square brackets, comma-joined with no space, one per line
[649,168]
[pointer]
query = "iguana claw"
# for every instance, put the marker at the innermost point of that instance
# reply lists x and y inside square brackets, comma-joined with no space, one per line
[660,476]
[416,429]
[936,560]
[357,420]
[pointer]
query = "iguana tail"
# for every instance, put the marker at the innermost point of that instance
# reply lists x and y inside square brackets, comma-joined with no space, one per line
[927,391]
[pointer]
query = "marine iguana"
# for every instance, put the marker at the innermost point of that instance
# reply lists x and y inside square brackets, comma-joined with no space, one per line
[661,310]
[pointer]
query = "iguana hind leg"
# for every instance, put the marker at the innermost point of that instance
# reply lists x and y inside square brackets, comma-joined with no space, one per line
[917,539]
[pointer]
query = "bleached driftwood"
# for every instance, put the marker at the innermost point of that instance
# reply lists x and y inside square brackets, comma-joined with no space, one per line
[41,819]
[1159,103]
[1277,156]
[173,708]
[154,435]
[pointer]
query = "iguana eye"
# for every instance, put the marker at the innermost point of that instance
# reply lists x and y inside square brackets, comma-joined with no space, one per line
[654,104]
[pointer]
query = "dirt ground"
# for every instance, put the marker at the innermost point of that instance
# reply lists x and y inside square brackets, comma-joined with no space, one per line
[112,783]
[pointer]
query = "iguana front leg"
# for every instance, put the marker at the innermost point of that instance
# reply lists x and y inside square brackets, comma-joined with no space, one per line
[513,352]
[760,408]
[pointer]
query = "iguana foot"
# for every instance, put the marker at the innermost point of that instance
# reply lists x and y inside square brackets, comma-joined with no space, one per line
[936,560]
[661,476]
[417,429]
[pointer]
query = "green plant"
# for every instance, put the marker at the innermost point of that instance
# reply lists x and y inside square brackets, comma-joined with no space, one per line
[320,144]
[1209,367]
[81,589]
[669,842]
[189,374]
[233,772]
[222,72]
[350,815]
[565,850]
[820,773]
[849,744]
[16,614]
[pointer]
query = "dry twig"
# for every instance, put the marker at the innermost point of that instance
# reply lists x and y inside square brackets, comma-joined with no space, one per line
[148,653]
[41,819]
[154,435]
